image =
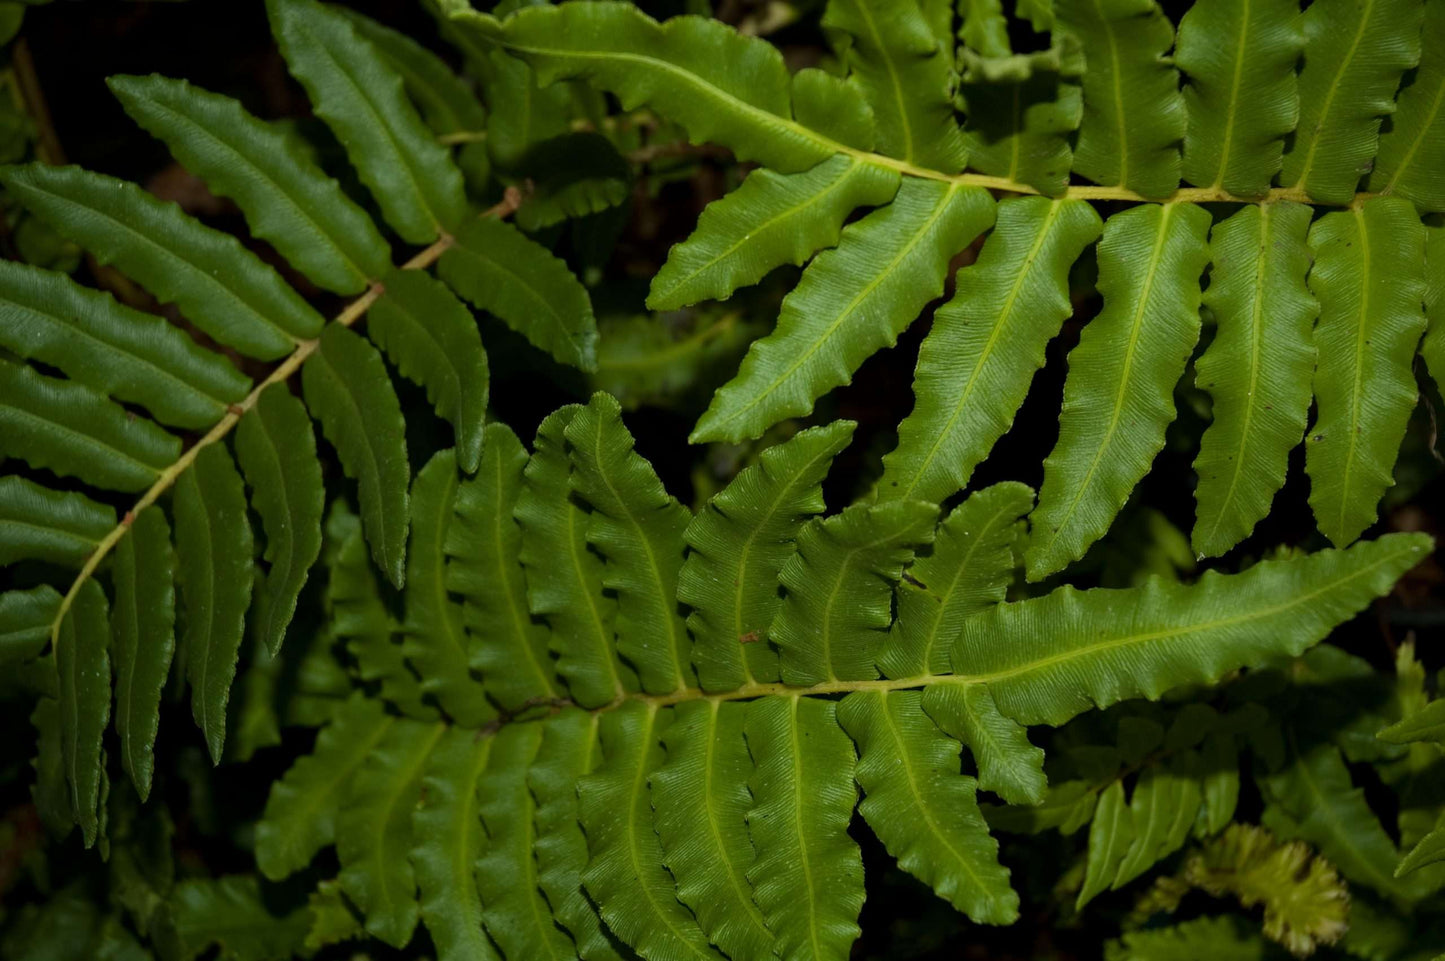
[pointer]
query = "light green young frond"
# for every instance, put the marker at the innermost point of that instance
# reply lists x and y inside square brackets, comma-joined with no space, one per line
[1119,395]
[287,199]
[143,639]
[301,811]
[497,268]
[516,915]
[771,220]
[906,75]
[808,876]
[722,87]
[362,100]
[82,664]
[433,340]
[638,528]
[214,550]
[436,642]
[1242,93]
[1426,724]
[564,577]
[833,620]
[1354,57]
[447,837]
[1411,159]
[1134,115]
[129,355]
[922,808]
[1257,369]
[348,390]
[969,569]
[700,803]
[1050,658]
[853,301]
[277,451]
[37,523]
[625,876]
[75,432]
[1369,277]
[220,286]
[975,365]
[374,829]
[484,543]
[738,543]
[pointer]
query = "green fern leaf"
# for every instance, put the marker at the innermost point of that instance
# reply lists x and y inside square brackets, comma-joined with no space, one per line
[1162,808]
[277,451]
[969,569]
[124,353]
[37,523]
[74,432]
[625,876]
[1050,658]
[738,543]
[1428,850]
[143,639]
[214,549]
[374,830]
[771,220]
[700,801]
[1228,936]
[362,100]
[1257,369]
[447,830]
[975,365]
[436,641]
[301,811]
[1134,116]
[922,808]
[82,663]
[1119,395]
[1432,348]
[1412,151]
[484,544]
[287,200]
[516,915]
[839,583]
[723,87]
[852,301]
[433,340]
[1353,62]
[221,287]
[231,912]
[1110,834]
[521,112]
[1008,765]
[808,876]
[903,71]
[1221,780]
[1369,277]
[638,528]
[1020,130]
[361,620]
[569,751]
[564,577]
[347,389]
[1242,98]
[831,106]
[498,269]
[25,621]
[1426,724]
[984,29]
[50,792]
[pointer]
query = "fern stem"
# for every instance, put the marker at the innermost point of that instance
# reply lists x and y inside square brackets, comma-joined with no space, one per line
[349,315]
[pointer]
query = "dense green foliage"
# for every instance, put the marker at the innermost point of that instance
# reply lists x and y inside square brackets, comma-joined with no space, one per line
[560,713]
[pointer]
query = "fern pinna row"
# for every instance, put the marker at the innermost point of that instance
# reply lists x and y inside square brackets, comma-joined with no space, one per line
[685,787]
[1296,297]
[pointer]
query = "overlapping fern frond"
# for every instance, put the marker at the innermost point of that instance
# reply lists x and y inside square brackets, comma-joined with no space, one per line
[689,793]
[1298,292]
[143,407]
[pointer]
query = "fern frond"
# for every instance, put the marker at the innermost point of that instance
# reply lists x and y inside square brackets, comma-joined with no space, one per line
[1432,348]
[143,639]
[853,300]
[37,523]
[82,664]
[231,913]
[1119,395]
[1008,764]
[25,619]
[1207,937]
[738,543]
[1412,151]
[287,200]
[1370,322]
